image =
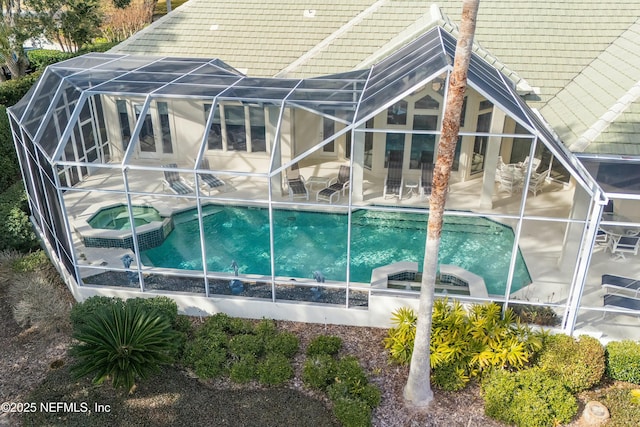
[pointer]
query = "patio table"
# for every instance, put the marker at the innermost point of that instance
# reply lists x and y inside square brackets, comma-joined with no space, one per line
[317,180]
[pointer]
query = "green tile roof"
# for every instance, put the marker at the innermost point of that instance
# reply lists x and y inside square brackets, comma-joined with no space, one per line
[596,110]
[571,53]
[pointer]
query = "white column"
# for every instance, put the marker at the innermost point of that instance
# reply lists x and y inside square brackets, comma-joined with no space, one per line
[491,159]
[357,170]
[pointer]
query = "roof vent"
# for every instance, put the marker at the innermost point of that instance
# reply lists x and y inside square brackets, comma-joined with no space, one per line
[214,27]
[309,13]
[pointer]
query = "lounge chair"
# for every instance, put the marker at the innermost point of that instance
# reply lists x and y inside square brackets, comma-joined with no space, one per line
[619,301]
[426,178]
[337,185]
[614,284]
[175,182]
[619,245]
[208,181]
[394,182]
[295,184]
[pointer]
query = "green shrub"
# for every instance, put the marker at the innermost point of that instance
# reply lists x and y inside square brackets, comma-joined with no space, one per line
[16,231]
[221,322]
[324,344]
[123,344]
[87,309]
[318,371]
[244,369]
[275,369]
[9,167]
[623,361]
[623,408]
[285,343]
[266,329]
[246,345]
[349,371]
[578,363]
[13,90]
[400,338]
[352,412]
[41,58]
[33,261]
[367,393]
[207,354]
[527,398]
[183,325]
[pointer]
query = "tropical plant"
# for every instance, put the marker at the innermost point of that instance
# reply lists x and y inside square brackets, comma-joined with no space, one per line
[464,344]
[401,336]
[123,344]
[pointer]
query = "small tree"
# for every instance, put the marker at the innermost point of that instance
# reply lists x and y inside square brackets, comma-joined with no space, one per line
[71,23]
[418,389]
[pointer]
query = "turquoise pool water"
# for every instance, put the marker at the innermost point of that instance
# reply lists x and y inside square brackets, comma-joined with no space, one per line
[310,241]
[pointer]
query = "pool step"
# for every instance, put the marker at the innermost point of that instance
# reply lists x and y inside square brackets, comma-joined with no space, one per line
[419,222]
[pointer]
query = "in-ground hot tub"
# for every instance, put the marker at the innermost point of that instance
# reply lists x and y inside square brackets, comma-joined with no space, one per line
[109,226]
[117,217]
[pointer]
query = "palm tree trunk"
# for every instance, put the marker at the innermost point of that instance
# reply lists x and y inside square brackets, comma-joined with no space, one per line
[417,391]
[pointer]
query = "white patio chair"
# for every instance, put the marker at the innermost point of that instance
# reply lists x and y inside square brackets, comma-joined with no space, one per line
[537,181]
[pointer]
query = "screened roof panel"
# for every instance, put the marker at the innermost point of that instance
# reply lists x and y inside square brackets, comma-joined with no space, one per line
[171,66]
[53,124]
[621,175]
[131,88]
[20,107]
[209,80]
[90,78]
[86,62]
[367,91]
[326,84]
[138,76]
[267,83]
[488,81]
[242,93]
[191,90]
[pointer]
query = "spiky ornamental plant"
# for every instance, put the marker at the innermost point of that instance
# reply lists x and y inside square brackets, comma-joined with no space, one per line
[124,344]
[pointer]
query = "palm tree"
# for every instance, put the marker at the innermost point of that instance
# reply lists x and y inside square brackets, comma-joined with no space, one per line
[417,391]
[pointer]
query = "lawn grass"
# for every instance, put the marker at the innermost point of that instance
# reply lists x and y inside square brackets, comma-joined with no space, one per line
[172,398]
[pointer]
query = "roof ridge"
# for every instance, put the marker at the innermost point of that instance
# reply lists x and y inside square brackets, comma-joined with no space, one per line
[331,38]
[436,17]
[608,118]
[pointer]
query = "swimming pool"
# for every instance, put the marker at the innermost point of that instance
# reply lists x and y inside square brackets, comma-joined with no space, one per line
[305,242]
